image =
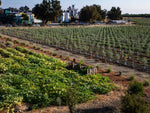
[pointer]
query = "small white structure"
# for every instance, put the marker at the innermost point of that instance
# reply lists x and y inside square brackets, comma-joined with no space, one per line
[118,21]
[65,17]
[73,11]
[69,13]
[37,21]
[30,15]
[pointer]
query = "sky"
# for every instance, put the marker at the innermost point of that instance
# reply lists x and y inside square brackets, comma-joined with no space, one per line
[127,6]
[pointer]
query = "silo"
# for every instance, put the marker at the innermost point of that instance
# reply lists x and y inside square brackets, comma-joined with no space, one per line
[67,17]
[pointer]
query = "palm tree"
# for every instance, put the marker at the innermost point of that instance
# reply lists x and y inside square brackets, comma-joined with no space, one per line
[0,3]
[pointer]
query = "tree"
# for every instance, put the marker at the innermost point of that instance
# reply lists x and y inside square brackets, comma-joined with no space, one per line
[25,16]
[1,9]
[13,9]
[102,13]
[89,14]
[48,10]
[115,13]
[9,18]
[92,13]
[24,9]
[56,9]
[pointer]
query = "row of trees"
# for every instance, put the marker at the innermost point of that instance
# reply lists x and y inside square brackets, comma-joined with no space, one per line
[50,10]
[9,18]
[23,9]
[137,15]
[95,13]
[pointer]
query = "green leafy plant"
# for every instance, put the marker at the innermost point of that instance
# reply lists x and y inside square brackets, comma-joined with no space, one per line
[9,44]
[55,54]
[68,57]
[38,48]
[72,97]
[81,61]
[131,78]
[34,47]
[2,45]
[39,80]
[8,39]
[136,88]
[60,56]
[134,104]
[109,70]
[146,83]
[16,41]
[120,73]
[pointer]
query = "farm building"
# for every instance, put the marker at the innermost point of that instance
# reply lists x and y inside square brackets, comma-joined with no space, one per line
[70,13]
[118,21]
[16,18]
[65,17]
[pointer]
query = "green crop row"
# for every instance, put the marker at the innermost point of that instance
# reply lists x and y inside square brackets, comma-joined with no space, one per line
[141,21]
[114,43]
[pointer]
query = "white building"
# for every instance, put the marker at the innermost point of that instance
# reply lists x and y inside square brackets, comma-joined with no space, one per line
[65,17]
[73,11]
[69,13]
[118,21]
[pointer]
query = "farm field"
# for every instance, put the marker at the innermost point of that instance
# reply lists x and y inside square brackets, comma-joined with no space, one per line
[122,45]
[109,100]
[141,21]
[37,79]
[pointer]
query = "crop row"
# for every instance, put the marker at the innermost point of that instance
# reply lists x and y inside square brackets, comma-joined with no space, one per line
[118,44]
[141,21]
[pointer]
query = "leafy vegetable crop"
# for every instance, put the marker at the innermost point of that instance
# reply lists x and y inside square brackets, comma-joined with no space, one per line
[38,79]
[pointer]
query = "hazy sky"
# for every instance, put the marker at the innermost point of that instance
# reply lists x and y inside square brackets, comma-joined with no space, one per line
[127,6]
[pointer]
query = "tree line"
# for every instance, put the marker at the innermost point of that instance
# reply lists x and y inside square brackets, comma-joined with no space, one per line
[95,13]
[24,9]
[137,15]
[50,10]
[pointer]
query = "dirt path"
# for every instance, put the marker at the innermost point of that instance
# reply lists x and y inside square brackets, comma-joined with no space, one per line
[126,71]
